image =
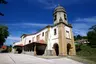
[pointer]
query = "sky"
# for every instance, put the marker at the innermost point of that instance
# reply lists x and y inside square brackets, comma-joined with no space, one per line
[29,16]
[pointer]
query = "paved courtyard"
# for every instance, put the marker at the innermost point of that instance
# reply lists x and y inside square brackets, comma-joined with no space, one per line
[9,58]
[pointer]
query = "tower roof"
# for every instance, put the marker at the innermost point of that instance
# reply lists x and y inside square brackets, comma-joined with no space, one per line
[59,9]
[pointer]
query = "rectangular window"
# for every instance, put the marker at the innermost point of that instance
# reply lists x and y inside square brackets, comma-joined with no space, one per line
[38,37]
[67,34]
[55,32]
[46,35]
[67,31]
[33,39]
[43,34]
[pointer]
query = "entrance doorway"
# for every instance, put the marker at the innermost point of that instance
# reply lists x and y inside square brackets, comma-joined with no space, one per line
[19,50]
[56,48]
[39,48]
[68,48]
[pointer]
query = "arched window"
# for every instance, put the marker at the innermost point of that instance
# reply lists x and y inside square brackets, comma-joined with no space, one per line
[65,17]
[55,32]
[43,34]
[29,41]
[55,17]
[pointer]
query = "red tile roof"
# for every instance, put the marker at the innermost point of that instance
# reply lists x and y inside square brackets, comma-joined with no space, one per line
[4,47]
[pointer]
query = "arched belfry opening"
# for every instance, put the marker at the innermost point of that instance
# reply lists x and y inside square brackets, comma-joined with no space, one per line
[68,48]
[56,48]
[60,20]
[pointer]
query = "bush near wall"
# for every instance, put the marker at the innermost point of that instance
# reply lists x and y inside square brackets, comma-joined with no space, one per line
[6,49]
[78,46]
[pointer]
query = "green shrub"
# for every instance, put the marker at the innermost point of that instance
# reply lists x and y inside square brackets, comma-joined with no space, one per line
[87,52]
[78,46]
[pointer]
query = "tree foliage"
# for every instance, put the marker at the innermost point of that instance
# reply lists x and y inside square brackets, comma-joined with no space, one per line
[78,37]
[92,36]
[3,34]
[2,2]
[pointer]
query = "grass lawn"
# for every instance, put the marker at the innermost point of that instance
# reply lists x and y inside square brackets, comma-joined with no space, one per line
[83,60]
[87,54]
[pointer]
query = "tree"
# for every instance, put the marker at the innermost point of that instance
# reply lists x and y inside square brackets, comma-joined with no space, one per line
[3,34]
[84,37]
[2,2]
[92,36]
[75,37]
[78,37]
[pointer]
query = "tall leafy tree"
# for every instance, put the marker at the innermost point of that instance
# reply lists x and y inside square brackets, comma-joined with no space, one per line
[3,34]
[92,36]
[2,2]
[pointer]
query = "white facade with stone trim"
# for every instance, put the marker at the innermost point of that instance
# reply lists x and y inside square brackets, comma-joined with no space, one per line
[50,34]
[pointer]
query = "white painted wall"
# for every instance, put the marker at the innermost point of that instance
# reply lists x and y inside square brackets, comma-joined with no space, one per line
[25,40]
[40,33]
[52,39]
[22,41]
[17,43]
[28,38]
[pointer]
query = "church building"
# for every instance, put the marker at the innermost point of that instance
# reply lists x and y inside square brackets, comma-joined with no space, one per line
[55,40]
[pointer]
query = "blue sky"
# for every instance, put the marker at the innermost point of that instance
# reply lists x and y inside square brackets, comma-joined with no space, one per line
[29,16]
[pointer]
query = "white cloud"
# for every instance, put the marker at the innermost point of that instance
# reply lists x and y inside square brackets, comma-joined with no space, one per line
[81,25]
[14,38]
[35,24]
[80,32]
[80,28]
[48,4]
[11,39]
[29,24]
[89,19]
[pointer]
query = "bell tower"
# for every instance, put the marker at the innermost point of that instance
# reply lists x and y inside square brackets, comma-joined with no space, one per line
[60,15]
